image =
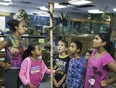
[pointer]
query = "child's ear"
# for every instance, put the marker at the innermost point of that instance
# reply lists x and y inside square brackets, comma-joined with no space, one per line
[32,51]
[16,27]
[66,49]
[104,43]
[78,50]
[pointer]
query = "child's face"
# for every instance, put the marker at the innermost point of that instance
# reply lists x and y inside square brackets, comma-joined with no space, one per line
[73,48]
[61,47]
[97,42]
[37,50]
[87,56]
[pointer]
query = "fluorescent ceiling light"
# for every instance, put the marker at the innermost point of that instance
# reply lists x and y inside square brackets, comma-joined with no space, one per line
[43,8]
[80,2]
[7,0]
[10,3]
[95,11]
[114,9]
[3,3]
[56,5]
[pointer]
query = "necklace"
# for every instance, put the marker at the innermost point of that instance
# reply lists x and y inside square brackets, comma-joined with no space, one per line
[15,42]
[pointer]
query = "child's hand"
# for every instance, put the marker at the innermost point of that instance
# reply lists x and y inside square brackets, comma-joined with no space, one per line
[29,85]
[58,70]
[55,84]
[103,83]
[63,85]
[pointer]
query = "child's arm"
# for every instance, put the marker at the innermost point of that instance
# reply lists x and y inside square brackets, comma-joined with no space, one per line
[23,72]
[63,85]
[112,67]
[62,80]
[48,70]
[55,83]
[105,83]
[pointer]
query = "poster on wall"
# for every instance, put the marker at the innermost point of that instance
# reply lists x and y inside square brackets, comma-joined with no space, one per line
[2,23]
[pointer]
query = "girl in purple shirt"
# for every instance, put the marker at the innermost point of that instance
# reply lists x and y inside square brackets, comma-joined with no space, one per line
[100,63]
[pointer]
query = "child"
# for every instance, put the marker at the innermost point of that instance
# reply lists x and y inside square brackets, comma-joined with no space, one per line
[33,68]
[14,50]
[61,61]
[75,73]
[100,63]
[87,55]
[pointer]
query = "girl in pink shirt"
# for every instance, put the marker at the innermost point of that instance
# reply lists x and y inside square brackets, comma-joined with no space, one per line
[33,68]
[100,63]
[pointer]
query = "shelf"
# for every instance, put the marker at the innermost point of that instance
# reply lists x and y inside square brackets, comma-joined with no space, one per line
[30,36]
[86,20]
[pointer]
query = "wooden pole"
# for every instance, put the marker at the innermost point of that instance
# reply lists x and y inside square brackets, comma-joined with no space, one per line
[51,10]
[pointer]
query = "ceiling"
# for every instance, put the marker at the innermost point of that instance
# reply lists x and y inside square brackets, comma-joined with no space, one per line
[97,4]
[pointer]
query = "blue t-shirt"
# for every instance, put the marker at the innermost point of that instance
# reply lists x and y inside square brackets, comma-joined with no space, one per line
[75,75]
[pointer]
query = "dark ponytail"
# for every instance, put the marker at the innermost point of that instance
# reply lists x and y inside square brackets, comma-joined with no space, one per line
[30,48]
[109,45]
[25,54]
[111,49]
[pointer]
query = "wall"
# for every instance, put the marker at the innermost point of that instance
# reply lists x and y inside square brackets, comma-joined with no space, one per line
[2,22]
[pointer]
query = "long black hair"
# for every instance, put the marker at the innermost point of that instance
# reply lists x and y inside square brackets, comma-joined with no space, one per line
[27,52]
[109,45]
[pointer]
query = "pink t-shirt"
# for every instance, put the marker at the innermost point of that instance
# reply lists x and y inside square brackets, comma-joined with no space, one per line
[33,71]
[97,70]
[36,72]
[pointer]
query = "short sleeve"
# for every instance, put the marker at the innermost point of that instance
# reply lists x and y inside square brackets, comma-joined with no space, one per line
[107,58]
[54,61]
[8,39]
[67,65]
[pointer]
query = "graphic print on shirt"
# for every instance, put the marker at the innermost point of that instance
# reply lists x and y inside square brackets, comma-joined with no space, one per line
[60,64]
[35,69]
[94,74]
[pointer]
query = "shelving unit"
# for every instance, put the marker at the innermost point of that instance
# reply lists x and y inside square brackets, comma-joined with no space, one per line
[75,25]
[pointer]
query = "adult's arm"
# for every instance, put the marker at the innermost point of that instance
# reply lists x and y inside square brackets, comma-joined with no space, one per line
[3,44]
[112,67]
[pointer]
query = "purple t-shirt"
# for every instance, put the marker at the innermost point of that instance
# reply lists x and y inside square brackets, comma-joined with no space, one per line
[97,70]
[14,60]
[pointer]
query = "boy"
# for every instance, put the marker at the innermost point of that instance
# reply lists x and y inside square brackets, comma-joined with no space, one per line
[61,61]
